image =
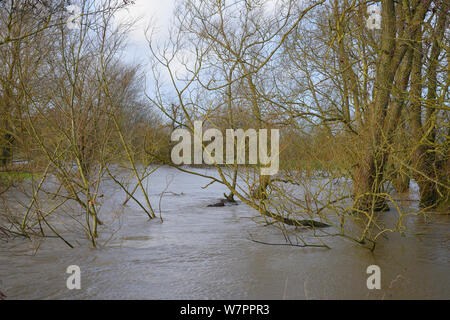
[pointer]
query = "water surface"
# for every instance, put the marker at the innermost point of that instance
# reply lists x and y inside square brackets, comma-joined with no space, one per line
[206,253]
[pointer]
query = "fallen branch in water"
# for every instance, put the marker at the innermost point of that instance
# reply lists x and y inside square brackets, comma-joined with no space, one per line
[294,222]
[4,231]
[290,244]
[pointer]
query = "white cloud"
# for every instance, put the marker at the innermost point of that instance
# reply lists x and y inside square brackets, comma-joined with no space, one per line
[157,13]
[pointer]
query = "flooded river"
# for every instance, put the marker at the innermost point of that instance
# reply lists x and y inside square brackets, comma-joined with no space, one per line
[199,252]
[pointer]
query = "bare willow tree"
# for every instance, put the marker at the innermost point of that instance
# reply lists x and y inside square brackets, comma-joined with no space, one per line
[366,84]
[429,118]
[220,61]
[19,29]
[317,69]
[77,106]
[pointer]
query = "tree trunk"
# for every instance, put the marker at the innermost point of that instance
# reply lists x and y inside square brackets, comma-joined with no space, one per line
[367,176]
[394,63]
[428,169]
[367,184]
[6,151]
[400,181]
[425,164]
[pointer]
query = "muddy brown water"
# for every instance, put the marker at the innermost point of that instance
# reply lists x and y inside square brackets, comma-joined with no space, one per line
[206,253]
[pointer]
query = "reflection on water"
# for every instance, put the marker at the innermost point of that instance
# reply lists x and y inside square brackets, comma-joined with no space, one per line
[205,253]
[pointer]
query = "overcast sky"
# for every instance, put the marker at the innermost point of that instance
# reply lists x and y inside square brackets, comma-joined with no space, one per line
[158,14]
